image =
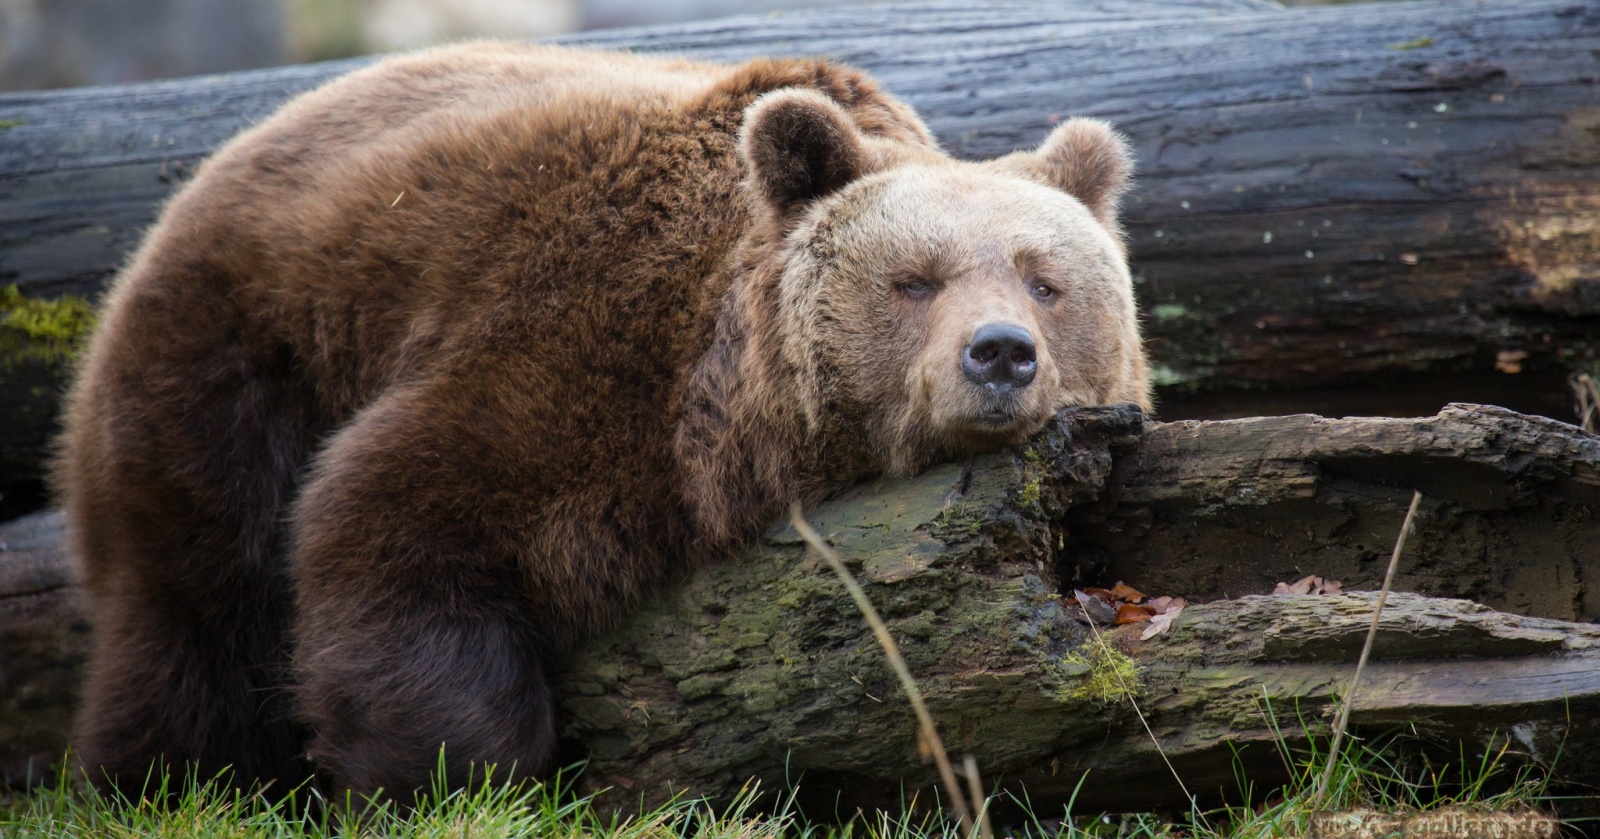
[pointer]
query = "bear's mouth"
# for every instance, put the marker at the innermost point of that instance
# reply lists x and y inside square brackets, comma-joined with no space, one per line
[995,418]
[983,422]
[998,414]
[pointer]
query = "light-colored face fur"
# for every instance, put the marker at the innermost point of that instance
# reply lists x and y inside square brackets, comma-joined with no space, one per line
[891,271]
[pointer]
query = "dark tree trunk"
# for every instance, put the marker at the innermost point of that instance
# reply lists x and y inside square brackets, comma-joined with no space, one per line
[761,667]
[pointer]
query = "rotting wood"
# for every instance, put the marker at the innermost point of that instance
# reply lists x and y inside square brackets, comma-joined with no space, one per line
[761,666]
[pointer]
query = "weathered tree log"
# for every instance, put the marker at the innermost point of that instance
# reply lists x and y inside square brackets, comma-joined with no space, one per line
[761,667]
[1220,509]
[1328,197]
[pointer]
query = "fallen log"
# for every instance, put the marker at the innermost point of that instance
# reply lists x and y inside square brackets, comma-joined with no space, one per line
[1369,209]
[1220,509]
[761,667]
[45,621]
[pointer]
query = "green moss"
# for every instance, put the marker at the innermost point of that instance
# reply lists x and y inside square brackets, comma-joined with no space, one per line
[957,521]
[1111,675]
[1032,478]
[51,331]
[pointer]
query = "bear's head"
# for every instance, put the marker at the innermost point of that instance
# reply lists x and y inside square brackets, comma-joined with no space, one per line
[891,306]
[930,307]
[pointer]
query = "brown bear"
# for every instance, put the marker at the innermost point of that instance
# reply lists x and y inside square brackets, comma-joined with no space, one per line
[452,360]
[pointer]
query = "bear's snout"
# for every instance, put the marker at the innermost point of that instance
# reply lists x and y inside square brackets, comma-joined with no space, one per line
[1001,358]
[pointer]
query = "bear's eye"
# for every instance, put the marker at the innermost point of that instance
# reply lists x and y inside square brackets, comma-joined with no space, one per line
[917,289]
[1040,289]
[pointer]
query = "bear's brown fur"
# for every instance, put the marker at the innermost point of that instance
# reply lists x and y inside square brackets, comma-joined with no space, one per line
[449,362]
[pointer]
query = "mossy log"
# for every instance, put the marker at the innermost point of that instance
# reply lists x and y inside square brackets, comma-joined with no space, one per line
[1327,198]
[762,667]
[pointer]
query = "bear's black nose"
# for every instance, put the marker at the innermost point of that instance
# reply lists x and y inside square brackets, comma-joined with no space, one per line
[1001,356]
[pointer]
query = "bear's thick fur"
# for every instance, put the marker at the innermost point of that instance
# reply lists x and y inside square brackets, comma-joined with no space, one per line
[449,362]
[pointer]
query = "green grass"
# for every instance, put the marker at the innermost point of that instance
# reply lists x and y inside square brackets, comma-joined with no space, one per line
[1390,775]
[487,809]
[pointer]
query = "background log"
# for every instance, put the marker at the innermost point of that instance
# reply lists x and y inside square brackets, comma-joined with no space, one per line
[762,667]
[1355,209]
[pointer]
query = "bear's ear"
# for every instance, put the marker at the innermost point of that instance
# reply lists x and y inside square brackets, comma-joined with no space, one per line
[798,146]
[1087,159]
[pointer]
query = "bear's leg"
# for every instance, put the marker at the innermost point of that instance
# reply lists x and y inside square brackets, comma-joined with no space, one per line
[413,628]
[384,694]
[180,449]
[166,694]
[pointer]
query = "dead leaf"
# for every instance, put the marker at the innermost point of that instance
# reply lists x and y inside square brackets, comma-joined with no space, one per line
[1510,361]
[1132,613]
[1121,591]
[1161,624]
[1309,585]
[1304,585]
